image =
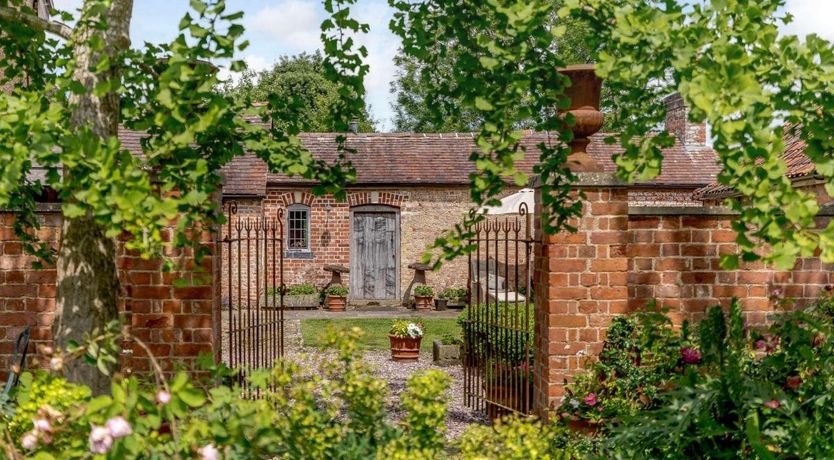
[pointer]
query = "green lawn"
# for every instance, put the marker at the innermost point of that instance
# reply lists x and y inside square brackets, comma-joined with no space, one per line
[376,330]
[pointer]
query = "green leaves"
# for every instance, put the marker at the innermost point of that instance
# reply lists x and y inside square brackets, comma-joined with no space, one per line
[498,74]
[738,75]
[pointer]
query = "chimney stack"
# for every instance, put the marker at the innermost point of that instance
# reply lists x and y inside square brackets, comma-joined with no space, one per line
[689,134]
[353,126]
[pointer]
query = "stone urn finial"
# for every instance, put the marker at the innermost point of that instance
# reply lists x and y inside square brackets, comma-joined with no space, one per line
[584,94]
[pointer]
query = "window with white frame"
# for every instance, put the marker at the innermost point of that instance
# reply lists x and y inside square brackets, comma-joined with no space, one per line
[298,228]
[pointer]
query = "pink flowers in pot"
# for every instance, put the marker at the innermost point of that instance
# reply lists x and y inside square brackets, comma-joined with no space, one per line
[690,355]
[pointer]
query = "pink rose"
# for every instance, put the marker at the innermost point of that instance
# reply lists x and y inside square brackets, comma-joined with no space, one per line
[772,404]
[163,397]
[209,452]
[119,428]
[29,441]
[43,425]
[101,441]
[591,399]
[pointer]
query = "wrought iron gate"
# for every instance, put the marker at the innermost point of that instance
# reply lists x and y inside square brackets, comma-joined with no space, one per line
[253,265]
[498,325]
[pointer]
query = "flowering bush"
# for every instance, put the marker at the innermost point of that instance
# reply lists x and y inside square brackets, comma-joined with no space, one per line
[334,409]
[745,394]
[641,354]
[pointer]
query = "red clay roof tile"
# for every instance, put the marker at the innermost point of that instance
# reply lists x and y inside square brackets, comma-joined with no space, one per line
[798,165]
[437,159]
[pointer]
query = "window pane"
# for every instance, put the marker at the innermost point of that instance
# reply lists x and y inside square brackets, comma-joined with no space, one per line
[298,223]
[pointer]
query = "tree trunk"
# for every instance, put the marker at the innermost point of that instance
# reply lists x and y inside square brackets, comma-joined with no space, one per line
[88,284]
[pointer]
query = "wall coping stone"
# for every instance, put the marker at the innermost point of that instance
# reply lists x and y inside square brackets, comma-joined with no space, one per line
[681,211]
[589,180]
[40,208]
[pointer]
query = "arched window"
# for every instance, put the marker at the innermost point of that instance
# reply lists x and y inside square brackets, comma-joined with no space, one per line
[298,228]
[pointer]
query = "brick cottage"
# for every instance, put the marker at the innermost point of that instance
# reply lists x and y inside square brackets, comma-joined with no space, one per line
[410,187]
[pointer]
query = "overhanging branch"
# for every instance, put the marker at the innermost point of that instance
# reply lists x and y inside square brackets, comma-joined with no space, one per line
[57,28]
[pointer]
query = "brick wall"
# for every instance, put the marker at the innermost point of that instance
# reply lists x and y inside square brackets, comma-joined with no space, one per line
[623,257]
[674,257]
[423,212]
[175,322]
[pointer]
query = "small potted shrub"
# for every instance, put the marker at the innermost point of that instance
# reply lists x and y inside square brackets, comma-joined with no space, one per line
[405,337]
[301,296]
[336,297]
[454,297]
[423,296]
[447,350]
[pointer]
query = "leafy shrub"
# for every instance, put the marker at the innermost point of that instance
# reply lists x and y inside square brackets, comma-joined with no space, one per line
[514,438]
[40,393]
[333,408]
[450,339]
[641,354]
[753,394]
[302,289]
[336,290]
[514,346]
[454,295]
[421,290]
[406,328]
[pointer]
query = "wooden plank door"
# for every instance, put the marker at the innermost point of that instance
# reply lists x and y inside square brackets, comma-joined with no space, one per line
[374,264]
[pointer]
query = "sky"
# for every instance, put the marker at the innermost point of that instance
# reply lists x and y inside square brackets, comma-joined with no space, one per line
[286,27]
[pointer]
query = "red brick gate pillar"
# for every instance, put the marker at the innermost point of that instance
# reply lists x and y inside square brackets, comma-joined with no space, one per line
[580,283]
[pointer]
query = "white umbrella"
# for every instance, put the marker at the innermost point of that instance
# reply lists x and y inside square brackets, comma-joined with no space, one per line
[512,203]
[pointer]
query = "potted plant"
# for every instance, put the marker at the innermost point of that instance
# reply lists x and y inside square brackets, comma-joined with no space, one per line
[447,350]
[454,297]
[336,297]
[405,337]
[301,296]
[423,296]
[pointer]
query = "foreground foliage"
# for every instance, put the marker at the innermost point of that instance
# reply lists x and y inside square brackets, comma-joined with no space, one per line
[332,409]
[716,390]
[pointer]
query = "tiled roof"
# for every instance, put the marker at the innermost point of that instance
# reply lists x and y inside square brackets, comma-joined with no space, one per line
[437,159]
[798,165]
[443,159]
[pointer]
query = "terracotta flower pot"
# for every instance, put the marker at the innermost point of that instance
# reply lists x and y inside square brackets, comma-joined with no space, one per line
[336,304]
[422,303]
[583,426]
[405,348]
